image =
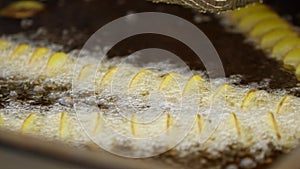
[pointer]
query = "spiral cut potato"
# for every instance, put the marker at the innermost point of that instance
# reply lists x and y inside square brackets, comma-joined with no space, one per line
[22,9]
[270,32]
[242,118]
[209,5]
